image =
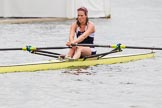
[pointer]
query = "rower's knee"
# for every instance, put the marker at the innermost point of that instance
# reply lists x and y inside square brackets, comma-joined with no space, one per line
[79,49]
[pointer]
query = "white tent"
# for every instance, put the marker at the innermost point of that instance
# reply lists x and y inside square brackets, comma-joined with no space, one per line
[53,8]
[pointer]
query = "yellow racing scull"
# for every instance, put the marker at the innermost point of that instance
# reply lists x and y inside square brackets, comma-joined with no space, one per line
[59,64]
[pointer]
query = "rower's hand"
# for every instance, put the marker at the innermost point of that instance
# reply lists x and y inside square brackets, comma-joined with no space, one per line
[68,44]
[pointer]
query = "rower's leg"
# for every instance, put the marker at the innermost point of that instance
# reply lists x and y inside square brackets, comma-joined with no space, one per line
[71,52]
[82,51]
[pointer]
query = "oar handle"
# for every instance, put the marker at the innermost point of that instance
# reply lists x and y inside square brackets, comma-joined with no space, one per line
[90,45]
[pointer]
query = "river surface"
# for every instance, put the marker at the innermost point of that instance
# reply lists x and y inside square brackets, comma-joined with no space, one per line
[128,85]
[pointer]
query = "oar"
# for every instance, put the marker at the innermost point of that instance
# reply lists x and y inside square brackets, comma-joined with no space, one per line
[30,48]
[115,46]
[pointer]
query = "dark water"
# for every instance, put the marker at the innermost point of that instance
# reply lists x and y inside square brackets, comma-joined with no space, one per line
[129,85]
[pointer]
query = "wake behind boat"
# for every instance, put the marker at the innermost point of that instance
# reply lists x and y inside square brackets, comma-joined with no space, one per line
[98,59]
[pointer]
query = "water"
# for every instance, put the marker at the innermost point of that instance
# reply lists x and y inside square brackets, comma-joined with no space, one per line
[128,85]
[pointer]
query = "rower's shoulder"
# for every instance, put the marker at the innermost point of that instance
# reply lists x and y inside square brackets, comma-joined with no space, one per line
[90,23]
[74,24]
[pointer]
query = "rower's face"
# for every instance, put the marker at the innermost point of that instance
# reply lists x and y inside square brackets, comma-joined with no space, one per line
[81,16]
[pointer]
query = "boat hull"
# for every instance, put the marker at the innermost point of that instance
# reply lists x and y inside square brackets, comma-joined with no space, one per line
[51,65]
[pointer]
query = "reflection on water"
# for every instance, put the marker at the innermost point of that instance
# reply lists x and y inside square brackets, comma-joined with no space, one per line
[80,71]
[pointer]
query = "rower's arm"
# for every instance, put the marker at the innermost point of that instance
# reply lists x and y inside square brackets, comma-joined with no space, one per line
[72,32]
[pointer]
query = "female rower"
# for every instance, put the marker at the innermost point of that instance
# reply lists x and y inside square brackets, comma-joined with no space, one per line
[84,31]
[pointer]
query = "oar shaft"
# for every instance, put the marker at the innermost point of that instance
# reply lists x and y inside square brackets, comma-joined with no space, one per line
[9,49]
[31,48]
[136,47]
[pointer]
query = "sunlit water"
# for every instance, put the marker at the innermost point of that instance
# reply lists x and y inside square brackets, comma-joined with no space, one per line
[128,85]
